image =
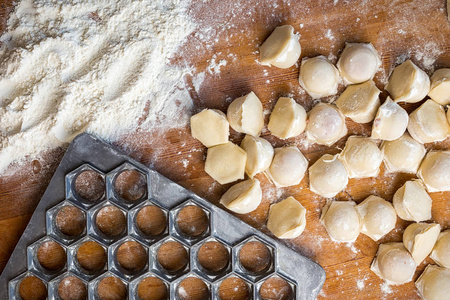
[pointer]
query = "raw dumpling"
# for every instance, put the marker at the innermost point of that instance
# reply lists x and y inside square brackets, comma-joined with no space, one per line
[390,122]
[440,86]
[441,250]
[288,119]
[327,176]
[395,158]
[245,114]
[210,127]
[393,263]
[226,163]
[341,220]
[358,62]
[360,102]
[281,49]
[419,239]
[433,284]
[361,157]
[326,124]
[428,123]
[378,217]
[243,197]
[318,77]
[412,202]
[287,219]
[259,154]
[408,83]
[435,171]
[288,166]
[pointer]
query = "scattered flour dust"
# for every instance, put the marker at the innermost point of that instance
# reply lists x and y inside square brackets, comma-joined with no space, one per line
[100,66]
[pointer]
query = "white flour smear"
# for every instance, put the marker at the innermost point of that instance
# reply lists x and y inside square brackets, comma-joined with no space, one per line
[100,66]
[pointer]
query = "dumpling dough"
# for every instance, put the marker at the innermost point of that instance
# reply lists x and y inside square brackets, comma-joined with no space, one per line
[378,217]
[259,154]
[361,157]
[243,197]
[318,77]
[360,102]
[288,119]
[288,166]
[390,122]
[419,239]
[358,62]
[428,123]
[281,49]
[394,264]
[412,202]
[327,176]
[287,219]
[326,125]
[395,158]
[435,171]
[226,163]
[341,220]
[441,250]
[433,283]
[408,83]
[210,127]
[440,86]
[245,114]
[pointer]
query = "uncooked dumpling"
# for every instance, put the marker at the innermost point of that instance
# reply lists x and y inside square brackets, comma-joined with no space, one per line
[259,154]
[243,197]
[360,102]
[327,176]
[433,284]
[288,166]
[395,158]
[287,219]
[245,114]
[390,122]
[226,163]
[326,124]
[378,217]
[361,157]
[440,86]
[358,62]
[393,263]
[341,220]
[408,83]
[419,239]
[441,250]
[428,123]
[318,77]
[281,49]
[210,127]
[412,202]
[435,171]
[288,119]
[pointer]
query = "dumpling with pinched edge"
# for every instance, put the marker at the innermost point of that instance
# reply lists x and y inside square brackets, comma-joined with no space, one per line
[341,220]
[390,122]
[327,176]
[318,77]
[245,114]
[419,239]
[259,154]
[394,154]
[243,197]
[440,86]
[433,284]
[281,49]
[358,62]
[326,124]
[210,127]
[287,219]
[412,202]
[441,250]
[435,171]
[288,166]
[226,162]
[288,118]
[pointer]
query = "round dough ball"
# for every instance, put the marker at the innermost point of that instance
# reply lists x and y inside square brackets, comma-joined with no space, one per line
[259,154]
[390,122]
[378,217]
[394,154]
[441,250]
[358,62]
[327,176]
[326,125]
[440,86]
[412,202]
[288,119]
[281,49]
[287,219]
[435,171]
[408,83]
[210,127]
[341,221]
[243,197]
[226,163]
[361,157]
[419,239]
[245,114]
[318,77]
[288,166]
[433,283]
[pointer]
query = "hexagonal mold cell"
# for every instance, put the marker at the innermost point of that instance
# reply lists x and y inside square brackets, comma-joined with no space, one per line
[176,288]
[126,175]
[97,190]
[133,228]
[158,269]
[13,285]
[54,231]
[134,285]
[53,286]
[216,286]
[198,268]
[33,262]
[258,285]
[93,229]
[75,267]
[93,285]
[116,268]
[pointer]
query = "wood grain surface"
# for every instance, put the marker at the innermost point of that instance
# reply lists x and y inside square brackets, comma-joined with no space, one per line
[400,29]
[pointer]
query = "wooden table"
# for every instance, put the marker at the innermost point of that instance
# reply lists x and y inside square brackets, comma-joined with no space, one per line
[397,29]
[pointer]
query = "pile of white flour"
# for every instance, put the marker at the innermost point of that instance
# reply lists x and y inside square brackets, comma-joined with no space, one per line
[101,66]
